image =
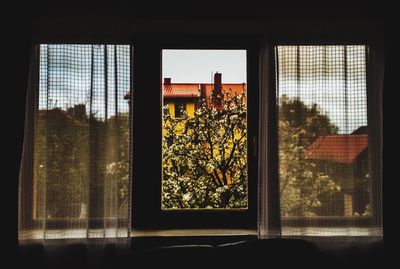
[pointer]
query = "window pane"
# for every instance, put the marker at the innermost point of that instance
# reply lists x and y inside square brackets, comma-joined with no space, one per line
[81,155]
[204,142]
[324,165]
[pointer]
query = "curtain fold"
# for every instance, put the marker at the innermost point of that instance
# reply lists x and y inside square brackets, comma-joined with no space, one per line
[328,132]
[268,209]
[75,171]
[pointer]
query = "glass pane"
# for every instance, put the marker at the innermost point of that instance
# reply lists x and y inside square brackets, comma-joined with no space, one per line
[324,165]
[204,142]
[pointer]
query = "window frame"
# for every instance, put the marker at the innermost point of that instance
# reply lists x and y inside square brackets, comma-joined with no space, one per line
[147,213]
[220,219]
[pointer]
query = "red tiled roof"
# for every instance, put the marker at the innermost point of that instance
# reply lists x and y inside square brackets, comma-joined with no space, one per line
[181,90]
[339,148]
[186,90]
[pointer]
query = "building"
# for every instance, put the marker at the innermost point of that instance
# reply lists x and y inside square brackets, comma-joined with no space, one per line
[345,159]
[181,97]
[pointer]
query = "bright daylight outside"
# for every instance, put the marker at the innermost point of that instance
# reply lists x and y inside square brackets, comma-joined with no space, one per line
[82,133]
[81,143]
[324,164]
[204,141]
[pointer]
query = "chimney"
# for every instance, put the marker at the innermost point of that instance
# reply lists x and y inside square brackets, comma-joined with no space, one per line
[217,91]
[217,83]
[203,91]
[167,81]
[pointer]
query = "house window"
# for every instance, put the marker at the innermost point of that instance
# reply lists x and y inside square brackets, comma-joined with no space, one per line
[324,138]
[180,109]
[204,163]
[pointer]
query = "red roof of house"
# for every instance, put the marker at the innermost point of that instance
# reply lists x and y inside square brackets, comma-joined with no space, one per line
[339,148]
[186,90]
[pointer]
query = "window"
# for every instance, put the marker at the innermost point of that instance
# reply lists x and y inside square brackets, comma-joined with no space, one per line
[195,142]
[205,142]
[326,176]
[80,176]
[180,109]
[185,188]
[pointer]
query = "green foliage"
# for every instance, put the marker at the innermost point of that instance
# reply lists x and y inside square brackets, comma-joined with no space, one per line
[205,157]
[61,161]
[117,163]
[299,115]
[201,153]
[302,182]
[76,155]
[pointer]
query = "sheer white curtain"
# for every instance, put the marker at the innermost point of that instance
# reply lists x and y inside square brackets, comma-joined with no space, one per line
[327,178]
[75,172]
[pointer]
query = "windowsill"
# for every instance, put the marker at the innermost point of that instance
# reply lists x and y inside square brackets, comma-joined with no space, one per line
[193,232]
[331,231]
[112,233]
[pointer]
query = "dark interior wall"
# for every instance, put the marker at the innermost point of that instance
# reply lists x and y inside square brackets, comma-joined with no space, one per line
[116,22]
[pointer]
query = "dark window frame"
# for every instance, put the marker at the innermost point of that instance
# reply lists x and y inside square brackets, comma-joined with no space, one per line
[146,206]
[152,46]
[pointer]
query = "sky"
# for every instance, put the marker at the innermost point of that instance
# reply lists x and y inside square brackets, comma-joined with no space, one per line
[321,77]
[66,74]
[66,81]
[198,66]
[321,82]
